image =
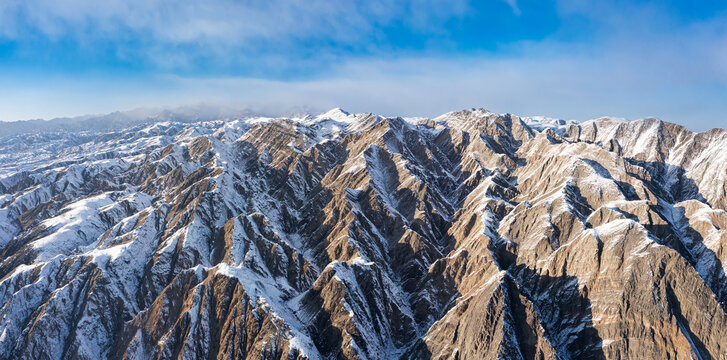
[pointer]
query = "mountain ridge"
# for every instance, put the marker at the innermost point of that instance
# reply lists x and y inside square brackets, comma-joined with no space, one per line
[207,112]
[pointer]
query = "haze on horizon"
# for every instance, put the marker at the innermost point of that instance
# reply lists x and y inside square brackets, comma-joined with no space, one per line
[569,59]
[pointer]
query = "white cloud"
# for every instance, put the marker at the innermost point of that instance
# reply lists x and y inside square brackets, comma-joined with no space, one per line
[574,86]
[171,34]
[513,6]
[229,21]
[648,67]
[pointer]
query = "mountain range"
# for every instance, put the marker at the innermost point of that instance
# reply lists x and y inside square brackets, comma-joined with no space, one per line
[472,235]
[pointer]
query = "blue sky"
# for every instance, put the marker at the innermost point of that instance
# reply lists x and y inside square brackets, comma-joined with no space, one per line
[572,59]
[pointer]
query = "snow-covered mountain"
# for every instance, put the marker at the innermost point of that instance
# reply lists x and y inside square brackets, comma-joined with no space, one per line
[472,235]
[120,120]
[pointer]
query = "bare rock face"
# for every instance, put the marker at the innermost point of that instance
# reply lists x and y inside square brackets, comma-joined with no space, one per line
[469,236]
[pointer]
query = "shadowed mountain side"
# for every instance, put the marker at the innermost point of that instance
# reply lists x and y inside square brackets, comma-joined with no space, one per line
[668,222]
[561,298]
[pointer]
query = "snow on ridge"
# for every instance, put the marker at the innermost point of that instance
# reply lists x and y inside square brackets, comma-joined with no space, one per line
[414,120]
[612,118]
[336,114]
[542,123]
[475,111]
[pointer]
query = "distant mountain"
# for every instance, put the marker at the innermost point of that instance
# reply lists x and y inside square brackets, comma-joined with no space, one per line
[472,235]
[120,120]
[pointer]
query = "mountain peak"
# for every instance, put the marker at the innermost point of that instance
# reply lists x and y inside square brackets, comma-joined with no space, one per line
[336,114]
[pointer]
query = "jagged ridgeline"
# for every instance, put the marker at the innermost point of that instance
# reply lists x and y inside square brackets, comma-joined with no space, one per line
[469,236]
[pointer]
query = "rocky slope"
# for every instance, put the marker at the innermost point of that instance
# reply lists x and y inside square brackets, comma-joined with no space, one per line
[469,236]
